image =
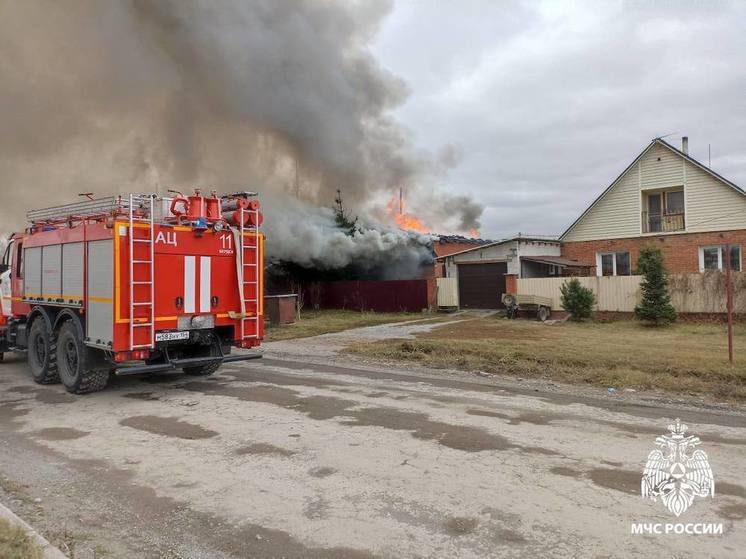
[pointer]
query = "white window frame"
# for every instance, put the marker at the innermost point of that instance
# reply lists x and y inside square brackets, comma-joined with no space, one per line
[720,249]
[599,268]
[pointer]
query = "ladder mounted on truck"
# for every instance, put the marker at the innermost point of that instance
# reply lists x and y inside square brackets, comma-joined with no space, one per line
[141,266]
[98,208]
[249,248]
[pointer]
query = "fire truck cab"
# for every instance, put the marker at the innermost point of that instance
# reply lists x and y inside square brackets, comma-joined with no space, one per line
[134,284]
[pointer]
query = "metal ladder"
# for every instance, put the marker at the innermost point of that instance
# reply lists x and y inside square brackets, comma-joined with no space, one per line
[147,261]
[249,266]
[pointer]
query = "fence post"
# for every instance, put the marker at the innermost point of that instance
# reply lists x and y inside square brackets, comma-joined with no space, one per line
[729,301]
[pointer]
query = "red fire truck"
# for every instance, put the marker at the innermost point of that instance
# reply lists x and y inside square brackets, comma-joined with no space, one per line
[133,284]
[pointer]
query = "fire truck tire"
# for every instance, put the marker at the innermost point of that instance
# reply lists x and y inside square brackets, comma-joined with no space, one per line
[42,353]
[75,369]
[203,371]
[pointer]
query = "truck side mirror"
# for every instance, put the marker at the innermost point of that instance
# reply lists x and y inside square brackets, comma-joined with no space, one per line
[4,268]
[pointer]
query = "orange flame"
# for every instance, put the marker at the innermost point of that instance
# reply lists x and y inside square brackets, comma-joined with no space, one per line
[474,233]
[404,220]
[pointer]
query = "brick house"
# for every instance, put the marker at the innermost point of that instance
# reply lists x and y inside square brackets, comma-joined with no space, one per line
[667,199]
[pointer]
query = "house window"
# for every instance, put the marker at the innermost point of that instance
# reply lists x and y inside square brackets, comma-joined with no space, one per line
[664,212]
[613,264]
[713,258]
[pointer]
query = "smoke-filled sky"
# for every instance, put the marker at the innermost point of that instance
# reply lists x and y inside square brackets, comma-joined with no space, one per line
[528,108]
[547,102]
[121,95]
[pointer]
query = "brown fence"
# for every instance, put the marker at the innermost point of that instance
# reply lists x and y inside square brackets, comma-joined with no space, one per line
[381,296]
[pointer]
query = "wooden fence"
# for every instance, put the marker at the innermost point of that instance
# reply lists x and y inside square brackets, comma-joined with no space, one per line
[690,293]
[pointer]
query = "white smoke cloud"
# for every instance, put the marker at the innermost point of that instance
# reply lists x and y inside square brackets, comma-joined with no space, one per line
[308,236]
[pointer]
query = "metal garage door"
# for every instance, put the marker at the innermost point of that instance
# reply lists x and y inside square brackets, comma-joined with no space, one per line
[481,286]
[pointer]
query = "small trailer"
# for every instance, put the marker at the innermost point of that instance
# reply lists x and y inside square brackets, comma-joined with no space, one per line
[542,306]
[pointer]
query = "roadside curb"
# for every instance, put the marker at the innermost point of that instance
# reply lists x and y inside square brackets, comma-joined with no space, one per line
[49,551]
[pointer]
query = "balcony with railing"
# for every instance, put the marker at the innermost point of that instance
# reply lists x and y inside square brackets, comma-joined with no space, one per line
[662,222]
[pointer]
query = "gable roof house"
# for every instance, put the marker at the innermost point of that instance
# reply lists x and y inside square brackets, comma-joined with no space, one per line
[667,199]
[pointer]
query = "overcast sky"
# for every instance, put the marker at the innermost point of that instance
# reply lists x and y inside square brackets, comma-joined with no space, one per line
[550,101]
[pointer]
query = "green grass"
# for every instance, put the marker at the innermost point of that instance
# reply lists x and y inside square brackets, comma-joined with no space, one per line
[313,323]
[689,358]
[16,544]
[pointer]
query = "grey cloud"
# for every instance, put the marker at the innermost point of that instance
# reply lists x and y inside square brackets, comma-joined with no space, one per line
[554,106]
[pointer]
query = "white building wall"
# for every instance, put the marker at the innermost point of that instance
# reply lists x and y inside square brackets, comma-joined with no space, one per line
[710,204]
[509,251]
[615,215]
[661,168]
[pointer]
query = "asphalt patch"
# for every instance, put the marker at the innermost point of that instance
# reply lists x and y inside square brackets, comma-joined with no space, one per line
[263,448]
[168,427]
[45,395]
[733,512]
[460,526]
[322,471]
[59,434]
[621,480]
[567,472]
[11,411]
[148,396]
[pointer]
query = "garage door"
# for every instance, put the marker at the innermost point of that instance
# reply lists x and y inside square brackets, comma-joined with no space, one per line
[481,286]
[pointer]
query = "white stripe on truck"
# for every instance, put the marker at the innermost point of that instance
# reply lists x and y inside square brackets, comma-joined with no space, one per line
[190,276]
[205,264]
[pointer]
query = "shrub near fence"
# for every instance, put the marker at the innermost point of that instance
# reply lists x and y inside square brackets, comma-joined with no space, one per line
[690,293]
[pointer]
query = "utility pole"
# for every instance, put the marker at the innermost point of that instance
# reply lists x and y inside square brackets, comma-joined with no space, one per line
[729,301]
[297,182]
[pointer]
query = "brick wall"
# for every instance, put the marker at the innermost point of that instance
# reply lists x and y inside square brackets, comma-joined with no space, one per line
[511,283]
[681,251]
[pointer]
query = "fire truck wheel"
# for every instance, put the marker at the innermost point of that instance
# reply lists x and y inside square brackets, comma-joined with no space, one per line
[42,353]
[202,371]
[74,367]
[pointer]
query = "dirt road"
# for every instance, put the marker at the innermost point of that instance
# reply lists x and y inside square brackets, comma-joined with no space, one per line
[289,458]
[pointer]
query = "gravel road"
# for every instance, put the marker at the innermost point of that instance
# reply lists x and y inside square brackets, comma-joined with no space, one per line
[307,453]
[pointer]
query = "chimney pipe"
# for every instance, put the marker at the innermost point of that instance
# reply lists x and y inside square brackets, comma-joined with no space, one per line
[685,144]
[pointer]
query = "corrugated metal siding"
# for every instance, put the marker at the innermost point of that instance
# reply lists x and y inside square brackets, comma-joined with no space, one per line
[100,312]
[615,215]
[667,172]
[32,272]
[72,271]
[447,292]
[51,271]
[710,204]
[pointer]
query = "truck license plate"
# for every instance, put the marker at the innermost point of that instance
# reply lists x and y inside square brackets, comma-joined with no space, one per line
[171,336]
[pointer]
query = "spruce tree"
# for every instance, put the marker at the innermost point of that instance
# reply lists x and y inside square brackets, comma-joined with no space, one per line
[343,219]
[577,299]
[655,307]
